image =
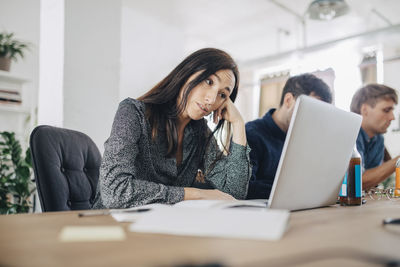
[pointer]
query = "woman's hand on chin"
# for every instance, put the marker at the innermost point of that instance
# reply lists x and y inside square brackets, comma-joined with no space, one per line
[228,112]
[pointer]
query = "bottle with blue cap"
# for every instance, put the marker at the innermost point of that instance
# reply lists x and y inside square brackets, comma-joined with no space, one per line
[351,191]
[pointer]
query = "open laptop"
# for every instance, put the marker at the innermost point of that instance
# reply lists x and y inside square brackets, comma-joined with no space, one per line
[315,155]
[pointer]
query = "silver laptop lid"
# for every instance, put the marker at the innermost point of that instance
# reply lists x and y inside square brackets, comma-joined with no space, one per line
[315,155]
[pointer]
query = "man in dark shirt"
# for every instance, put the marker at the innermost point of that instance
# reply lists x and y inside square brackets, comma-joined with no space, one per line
[375,103]
[266,135]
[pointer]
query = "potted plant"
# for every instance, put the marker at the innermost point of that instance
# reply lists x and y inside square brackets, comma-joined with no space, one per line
[16,186]
[10,49]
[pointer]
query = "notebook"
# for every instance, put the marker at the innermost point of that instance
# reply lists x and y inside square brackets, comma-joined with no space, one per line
[315,155]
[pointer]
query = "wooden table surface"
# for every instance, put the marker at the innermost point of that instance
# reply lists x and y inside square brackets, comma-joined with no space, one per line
[331,236]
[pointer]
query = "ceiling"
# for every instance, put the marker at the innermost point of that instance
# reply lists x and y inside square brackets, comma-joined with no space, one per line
[251,29]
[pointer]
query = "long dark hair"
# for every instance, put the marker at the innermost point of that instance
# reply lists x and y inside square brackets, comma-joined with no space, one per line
[161,101]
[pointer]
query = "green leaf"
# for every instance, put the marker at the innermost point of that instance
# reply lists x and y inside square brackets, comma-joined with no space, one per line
[22,171]
[15,175]
[28,157]
[12,47]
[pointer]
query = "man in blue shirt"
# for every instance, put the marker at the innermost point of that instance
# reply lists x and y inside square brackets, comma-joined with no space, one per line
[375,103]
[266,135]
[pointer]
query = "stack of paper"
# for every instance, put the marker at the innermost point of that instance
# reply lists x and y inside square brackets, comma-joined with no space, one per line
[133,214]
[262,224]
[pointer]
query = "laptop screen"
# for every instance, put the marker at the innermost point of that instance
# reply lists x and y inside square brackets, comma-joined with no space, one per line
[315,155]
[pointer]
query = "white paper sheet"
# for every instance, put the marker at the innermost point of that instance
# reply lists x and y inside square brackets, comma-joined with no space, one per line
[133,214]
[261,224]
[222,204]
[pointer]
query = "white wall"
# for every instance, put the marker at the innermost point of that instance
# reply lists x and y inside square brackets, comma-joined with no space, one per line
[151,45]
[92,64]
[51,63]
[119,52]
[391,67]
[113,50]
[117,49]
[22,18]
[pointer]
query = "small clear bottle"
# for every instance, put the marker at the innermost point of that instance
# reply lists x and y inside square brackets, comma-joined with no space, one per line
[351,191]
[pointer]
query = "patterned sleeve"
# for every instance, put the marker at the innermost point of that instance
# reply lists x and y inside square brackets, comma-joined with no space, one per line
[232,172]
[121,185]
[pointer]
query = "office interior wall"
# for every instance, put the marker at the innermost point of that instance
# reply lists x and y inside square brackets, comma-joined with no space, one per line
[151,45]
[123,50]
[92,64]
[342,56]
[348,78]
[51,63]
[22,17]
[391,67]
[248,94]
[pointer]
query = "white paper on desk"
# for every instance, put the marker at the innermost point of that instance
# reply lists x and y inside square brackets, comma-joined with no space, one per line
[260,224]
[130,214]
[222,204]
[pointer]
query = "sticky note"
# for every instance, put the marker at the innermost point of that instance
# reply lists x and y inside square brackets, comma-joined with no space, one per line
[91,233]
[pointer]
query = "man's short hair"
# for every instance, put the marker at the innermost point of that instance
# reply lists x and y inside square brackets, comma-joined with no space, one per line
[306,84]
[370,94]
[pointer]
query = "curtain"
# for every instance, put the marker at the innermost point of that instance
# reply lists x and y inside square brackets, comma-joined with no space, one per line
[328,76]
[271,90]
[272,87]
[368,68]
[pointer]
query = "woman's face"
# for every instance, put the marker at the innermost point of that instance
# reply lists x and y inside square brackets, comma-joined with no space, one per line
[208,95]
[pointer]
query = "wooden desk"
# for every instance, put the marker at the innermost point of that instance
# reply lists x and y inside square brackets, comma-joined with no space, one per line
[332,236]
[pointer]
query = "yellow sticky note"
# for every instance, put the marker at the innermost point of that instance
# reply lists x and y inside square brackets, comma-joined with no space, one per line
[92,233]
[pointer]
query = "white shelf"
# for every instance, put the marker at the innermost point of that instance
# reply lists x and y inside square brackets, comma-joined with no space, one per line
[11,77]
[14,109]
[15,117]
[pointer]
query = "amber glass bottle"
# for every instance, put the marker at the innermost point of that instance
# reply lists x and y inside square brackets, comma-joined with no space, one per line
[351,191]
[397,183]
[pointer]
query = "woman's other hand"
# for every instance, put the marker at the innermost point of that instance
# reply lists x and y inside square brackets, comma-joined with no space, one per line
[195,193]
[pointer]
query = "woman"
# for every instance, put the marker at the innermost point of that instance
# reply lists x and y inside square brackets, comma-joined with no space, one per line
[161,149]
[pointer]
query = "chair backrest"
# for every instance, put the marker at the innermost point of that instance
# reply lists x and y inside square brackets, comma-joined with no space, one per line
[66,164]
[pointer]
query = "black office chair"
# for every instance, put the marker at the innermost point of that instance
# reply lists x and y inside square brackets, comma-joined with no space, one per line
[66,165]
